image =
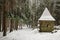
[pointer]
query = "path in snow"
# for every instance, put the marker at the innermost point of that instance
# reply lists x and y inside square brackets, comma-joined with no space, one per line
[29,34]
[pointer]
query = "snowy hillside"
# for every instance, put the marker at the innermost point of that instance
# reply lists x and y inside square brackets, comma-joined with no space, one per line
[29,34]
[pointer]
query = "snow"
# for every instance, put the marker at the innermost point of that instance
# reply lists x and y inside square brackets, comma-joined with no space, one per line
[46,16]
[30,34]
[1,33]
[57,27]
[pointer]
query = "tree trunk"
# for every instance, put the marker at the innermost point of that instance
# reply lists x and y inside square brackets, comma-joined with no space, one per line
[2,22]
[16,24]
[12,25]
[4,25]
[4,18]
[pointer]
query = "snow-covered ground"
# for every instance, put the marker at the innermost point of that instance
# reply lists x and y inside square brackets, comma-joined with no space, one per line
[1,34]
[29,34]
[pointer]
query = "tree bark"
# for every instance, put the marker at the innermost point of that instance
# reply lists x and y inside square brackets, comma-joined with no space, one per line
[16,24]
[4,25]
[4,18]
[11,27]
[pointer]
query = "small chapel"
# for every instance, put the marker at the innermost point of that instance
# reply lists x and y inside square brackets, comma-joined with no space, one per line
[46,22]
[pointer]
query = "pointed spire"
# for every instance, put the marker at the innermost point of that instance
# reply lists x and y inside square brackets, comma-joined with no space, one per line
[46,16]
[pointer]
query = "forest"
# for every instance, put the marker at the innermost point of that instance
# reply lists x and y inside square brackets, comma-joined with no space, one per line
[14,13]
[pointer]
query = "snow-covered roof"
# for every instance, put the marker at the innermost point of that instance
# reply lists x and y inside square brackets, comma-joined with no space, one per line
[46,16]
